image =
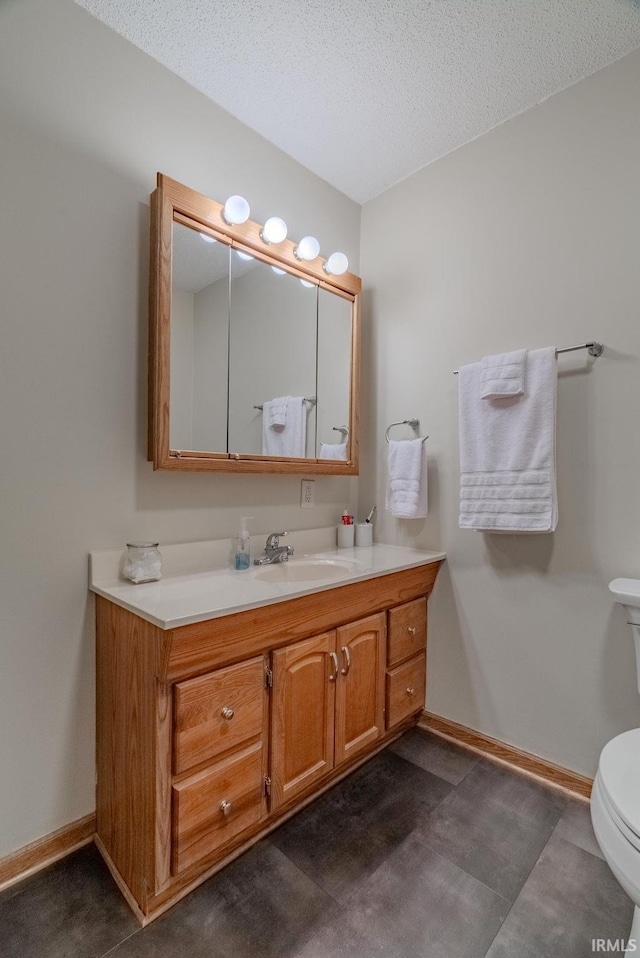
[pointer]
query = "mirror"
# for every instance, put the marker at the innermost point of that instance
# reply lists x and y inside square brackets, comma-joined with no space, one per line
[199,340]
[253,354]
[272,354]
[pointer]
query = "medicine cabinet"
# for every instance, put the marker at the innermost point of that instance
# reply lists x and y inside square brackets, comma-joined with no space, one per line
[235,322]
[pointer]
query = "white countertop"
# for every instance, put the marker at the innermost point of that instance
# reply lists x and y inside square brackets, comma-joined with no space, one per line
[191,592]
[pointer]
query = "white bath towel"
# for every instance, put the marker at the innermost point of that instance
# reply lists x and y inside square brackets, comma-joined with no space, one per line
[333,450]
[508,451]
[407,479]
[290,441]
[502,375]
[274,412]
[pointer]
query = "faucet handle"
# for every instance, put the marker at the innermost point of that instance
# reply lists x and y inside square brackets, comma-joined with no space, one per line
[273,539]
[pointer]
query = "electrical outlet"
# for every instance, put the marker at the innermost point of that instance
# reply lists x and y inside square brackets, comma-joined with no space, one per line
[307,494]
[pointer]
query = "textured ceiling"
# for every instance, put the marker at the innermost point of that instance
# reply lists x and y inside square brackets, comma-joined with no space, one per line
[365,92]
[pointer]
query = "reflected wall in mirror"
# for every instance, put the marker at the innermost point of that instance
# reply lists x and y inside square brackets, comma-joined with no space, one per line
[199,340]
[254,355]
[272,356]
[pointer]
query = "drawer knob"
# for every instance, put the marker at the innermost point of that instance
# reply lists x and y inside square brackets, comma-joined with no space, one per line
[411,630]
[225,808]
[411,691]
[227,713]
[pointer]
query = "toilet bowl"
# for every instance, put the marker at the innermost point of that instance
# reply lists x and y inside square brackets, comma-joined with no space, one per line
[615,799]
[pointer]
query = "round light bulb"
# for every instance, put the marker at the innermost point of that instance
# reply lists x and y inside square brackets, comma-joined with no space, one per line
[244,256]
[308,285]
[308,248]
[337,264]
[236,211]
[208,239]
[274,230]
[278,271]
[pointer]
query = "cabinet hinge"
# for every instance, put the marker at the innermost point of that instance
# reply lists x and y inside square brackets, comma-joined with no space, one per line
[268,678]
[267,786]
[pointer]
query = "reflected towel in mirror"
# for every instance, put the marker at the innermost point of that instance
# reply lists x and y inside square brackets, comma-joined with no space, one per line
[275,412]
[290,441]
[333,450]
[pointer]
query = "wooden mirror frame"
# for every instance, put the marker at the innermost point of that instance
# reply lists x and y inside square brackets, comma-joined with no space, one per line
[172,202]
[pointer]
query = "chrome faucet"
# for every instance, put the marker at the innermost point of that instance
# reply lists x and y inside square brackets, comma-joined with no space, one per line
[273,551]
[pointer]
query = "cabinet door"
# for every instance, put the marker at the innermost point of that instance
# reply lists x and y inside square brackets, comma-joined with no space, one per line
[302,717]
[360,686]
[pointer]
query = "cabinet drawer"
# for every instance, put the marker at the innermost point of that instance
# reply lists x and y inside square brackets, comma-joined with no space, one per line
[407,633]
[212,807]
[405,689]
[217,712]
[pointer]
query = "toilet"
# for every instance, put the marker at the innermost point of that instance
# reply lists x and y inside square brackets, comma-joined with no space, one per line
[615,799]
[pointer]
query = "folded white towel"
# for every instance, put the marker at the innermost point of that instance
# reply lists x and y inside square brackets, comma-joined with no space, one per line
[503,375]
[407,479]
[508,451]
[274,412]
[333,450]
[291,440]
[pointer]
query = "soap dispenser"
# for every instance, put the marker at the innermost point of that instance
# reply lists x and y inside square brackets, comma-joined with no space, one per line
[242,546]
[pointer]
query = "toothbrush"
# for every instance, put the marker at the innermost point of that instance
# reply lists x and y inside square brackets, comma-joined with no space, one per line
[370,516]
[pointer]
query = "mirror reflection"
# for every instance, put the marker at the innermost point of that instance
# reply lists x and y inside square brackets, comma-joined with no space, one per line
[272,361]
[246,335]
[199,341]
[334,375]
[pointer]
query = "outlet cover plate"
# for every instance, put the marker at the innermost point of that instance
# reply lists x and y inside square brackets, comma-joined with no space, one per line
[307,493]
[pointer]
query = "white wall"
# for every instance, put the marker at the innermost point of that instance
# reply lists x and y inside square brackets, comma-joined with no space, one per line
[86,120]
[525,237]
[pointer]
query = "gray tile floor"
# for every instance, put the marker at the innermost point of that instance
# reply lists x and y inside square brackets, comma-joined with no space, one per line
[427,851]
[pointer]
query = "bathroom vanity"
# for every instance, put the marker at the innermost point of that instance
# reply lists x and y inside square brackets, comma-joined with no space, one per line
[226,701]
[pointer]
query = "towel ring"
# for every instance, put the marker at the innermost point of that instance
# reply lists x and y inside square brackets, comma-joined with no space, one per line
[414,423]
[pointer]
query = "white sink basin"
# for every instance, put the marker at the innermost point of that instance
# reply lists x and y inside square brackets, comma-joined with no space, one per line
[305,570]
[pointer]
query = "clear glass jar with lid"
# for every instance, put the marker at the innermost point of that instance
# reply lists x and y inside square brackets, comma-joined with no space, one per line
[143,562]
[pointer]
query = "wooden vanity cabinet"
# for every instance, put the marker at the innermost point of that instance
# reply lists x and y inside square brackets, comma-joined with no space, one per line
[327,704]
[210,734]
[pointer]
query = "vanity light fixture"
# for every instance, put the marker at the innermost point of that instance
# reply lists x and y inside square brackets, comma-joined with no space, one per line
[236,211]
[245,256]
[308,285]
[278,271]
[208,239]
[274,230]
[307,249]
[337,264]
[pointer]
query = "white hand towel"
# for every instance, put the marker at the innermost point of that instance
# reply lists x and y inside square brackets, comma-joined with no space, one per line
[502,375]
[274,412]
[508,451]
[407,479]
[291,440]
[333,450]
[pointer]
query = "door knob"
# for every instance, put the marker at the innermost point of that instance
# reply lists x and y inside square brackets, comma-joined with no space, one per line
[411,691]
[225,808]
[411,630]
[227,713]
